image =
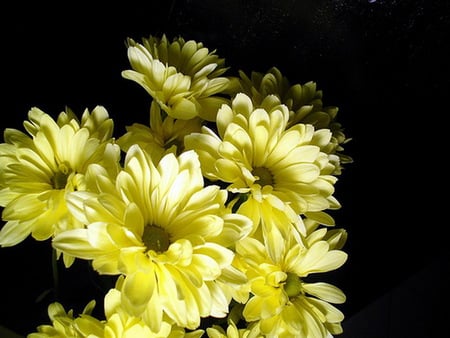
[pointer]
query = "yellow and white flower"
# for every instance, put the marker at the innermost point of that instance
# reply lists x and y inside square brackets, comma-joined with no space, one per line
[64,324]
[184,77]
[158,226]
[283,302]
[278,172]
[39,169]
[305,106]
[120,324]
[98,123]
[117,324]
[233,331]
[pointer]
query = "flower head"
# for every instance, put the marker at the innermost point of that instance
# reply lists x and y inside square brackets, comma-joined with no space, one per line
[119,323]
[233,331]
[64,324]
[184,77]
[160,227]
[39,169]
[279,172]
[305,106]
[98,123]
[283,302]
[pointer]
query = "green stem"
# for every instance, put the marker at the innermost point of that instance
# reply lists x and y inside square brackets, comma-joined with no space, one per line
[55,273]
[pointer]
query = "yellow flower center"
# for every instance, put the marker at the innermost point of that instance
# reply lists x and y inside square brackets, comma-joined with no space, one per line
[293,285]
[59,180]
[156,238]
[265,176]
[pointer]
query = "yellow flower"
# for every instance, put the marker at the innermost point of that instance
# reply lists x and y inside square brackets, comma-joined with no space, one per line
[184,77]
[159,226]
[165,134]
[233,331]
[278,172]
[98,123]
[65,325]
[305,106]
[120,324]
[39,169]
[283,302]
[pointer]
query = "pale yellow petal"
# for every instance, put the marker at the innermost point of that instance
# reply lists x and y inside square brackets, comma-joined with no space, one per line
[137,290]
[183,109]
[331,313]
[76,243]
[325,291]
[319,259]
[14,232]
[228,171]
[209,106]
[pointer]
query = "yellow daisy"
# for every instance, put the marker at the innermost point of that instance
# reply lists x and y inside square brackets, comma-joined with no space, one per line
[120,323]
[64,324]
[164,134]
[159,226]
[98,123]
[305,105]
[184,77]
[283,302]
[278,172]
[233,331]
[39,169]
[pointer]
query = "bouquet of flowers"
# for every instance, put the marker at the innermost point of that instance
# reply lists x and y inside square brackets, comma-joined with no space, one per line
[212,218]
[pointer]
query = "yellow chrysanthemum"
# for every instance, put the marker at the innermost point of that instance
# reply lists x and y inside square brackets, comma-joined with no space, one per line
[39,169]
[98,123]
[120,324]
[283,302]
[184,77]
[279,172]
[65,325]
[233,331]
[165,134]
[160,227]
[305,106]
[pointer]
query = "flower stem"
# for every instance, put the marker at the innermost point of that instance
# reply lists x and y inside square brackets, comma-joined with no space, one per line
[55,274]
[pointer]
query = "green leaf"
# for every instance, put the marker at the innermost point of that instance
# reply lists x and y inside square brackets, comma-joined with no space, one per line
[6,333]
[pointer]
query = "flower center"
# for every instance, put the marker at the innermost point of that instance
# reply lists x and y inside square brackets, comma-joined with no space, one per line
[265,176]
[59,180]
[156,238]
[293,285]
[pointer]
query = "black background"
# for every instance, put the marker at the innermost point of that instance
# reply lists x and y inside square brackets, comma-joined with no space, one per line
[383,63]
